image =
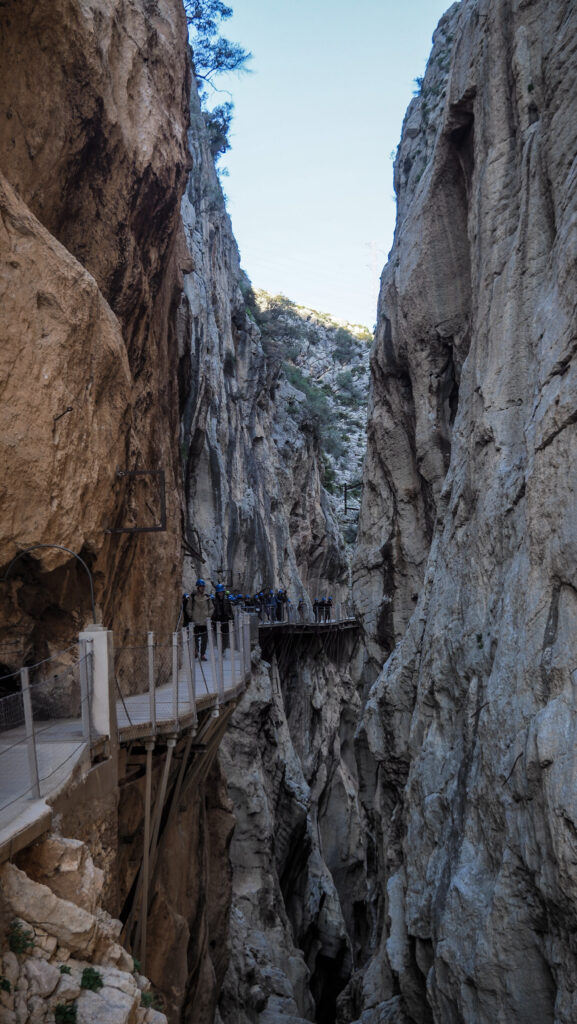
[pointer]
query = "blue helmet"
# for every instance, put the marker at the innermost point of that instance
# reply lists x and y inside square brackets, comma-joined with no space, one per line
[200,582]
[219,588]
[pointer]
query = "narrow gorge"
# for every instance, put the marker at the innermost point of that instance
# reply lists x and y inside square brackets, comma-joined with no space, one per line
[381,829]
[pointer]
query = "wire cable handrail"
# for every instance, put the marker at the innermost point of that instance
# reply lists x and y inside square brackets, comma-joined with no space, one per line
[47,723]
[44,661]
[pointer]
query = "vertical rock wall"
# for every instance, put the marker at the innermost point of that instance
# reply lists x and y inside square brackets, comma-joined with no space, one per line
[255,506]
[93,118]
[301,920]
[468,538]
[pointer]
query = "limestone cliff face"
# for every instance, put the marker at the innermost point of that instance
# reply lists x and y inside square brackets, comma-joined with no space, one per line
[301,915]
[255,505]
[63,959]
[93,118]
[469,544]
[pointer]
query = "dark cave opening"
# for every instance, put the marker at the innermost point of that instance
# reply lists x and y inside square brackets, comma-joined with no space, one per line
[327,983]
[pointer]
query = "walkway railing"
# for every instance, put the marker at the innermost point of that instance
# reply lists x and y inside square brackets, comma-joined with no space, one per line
[304,614]
[152,684]
[44,724]
[162,681]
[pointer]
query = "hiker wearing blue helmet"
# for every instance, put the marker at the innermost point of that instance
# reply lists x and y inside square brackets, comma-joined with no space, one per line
[198,610]
[223,612]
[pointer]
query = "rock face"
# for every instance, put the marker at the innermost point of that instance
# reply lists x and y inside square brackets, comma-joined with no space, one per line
[300,915]
[93,118]
[190,895]
[255,506]
[468,539]
[64,958]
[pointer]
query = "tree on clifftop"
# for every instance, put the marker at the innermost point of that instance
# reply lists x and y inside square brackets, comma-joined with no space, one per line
[212,53]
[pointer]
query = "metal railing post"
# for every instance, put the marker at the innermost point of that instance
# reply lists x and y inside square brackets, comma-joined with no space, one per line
[102,687]
[151,693]
[189,667]
[85,667]
[143,922]
[241,643]
[231,629]
[220,667]
[247,645]
[30,737]
[175,677]
[212,656]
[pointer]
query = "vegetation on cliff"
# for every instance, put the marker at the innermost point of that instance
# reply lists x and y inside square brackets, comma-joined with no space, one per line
[326,361]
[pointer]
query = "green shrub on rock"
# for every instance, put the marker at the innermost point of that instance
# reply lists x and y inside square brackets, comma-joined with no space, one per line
[65,1013]
[20,939]
[91,979]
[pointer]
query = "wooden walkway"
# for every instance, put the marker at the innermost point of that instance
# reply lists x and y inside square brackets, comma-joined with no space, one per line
[173,707]
[330,626]
[62,749]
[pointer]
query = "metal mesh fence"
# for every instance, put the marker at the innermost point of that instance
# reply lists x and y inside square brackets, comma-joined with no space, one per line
[55,692]
[11,712]
[38,744]
[134,664]
[131,669]
[57,696]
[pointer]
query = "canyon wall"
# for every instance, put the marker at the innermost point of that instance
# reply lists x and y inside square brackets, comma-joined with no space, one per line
[255,506]
[128,348]
[302,917]
[63,959]
[93,120]
[465,574]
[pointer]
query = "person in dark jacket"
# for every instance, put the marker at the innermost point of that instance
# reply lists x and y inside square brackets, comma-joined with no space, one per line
[198,610]
[222,613]
[270,605]
[185,618]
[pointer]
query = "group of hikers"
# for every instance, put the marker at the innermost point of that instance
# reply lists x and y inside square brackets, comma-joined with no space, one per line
[269,605]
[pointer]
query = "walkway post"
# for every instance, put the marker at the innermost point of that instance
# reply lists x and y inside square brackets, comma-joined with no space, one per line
[143,923]
[85,665]
[103,698]
[241,651]
[212,657]
[247,644]
[231,629]
[151,694]
[30,738]
[175,676]
[220,666]
[189,668]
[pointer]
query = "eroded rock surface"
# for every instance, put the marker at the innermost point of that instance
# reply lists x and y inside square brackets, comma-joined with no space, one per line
[60,954]
[93,119]
[255,504]
[469,544]
[300,918]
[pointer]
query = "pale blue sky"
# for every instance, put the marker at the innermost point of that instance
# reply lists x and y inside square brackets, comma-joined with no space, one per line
[310,186]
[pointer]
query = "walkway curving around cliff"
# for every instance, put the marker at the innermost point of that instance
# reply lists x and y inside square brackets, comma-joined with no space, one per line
[57,726]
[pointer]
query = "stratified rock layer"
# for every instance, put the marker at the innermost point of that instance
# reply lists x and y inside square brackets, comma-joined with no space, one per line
[93,118]
[255,505]
[301,920]
[469,542]
[64,956]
